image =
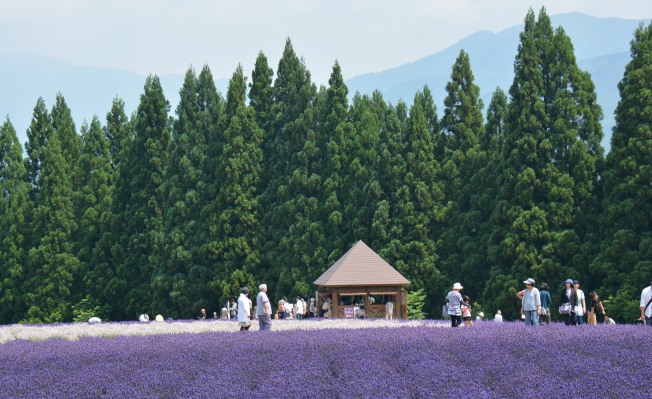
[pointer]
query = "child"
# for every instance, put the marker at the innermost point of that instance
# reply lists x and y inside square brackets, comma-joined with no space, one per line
[593,307]
[466,312]
[608,320]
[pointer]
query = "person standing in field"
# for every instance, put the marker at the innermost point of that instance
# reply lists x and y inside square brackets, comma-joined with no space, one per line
[389,310]
[646,308]
[465,307]
[263,309]
[581,303]
[454,303]
[531,303]
[593,308]
[546,300]
[568,301]
[244,310]
[498,318]
[298,309]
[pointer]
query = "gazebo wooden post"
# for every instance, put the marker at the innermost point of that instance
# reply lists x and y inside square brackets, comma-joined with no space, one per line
[336,303]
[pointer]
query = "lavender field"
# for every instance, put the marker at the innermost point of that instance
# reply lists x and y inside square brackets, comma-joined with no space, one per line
[354,360]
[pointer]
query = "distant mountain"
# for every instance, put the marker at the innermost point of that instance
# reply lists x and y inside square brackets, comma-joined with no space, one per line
[601,48]
[88,90]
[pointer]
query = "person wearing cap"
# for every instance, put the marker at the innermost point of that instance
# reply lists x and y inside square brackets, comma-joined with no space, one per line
[531,303]
[453,302]
[568,302]
[646,305]
[244,309]
[263,309]
[479,317]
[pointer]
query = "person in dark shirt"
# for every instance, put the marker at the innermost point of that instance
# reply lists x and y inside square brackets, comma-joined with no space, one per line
[594,305]
[545,302]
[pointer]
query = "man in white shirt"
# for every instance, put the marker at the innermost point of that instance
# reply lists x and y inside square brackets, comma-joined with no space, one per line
[298,309]
[646,306]
[581,304]
[263,309]
[244,310]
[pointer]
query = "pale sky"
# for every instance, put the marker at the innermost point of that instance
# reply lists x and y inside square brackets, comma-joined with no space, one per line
[167,36]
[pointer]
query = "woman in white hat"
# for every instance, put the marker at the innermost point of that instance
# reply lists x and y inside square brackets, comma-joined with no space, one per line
[453,302]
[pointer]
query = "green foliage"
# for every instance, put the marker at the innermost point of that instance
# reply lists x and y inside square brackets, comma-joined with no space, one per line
[87,308]
[415,303]
[168,215]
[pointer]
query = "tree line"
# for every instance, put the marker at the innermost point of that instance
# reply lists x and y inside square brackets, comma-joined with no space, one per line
[277,180]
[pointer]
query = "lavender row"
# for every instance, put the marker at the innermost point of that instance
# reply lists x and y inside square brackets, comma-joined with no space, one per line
[488,360]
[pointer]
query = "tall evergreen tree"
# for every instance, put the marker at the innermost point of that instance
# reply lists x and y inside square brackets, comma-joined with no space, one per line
[52,264]
[95,201]
[290,201]
[14,213]
[118,130]
[550,154]
[64,127]
[235,244]
[364,190]
[418,207]
[461,246]
[338,133]
[38,133]
[261,92]
[183,203]
[139,216]
[624,264]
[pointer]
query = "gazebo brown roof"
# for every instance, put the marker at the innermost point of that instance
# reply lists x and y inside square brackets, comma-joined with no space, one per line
[361,266]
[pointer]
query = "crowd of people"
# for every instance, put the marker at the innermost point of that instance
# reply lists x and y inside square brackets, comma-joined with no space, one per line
[535,305]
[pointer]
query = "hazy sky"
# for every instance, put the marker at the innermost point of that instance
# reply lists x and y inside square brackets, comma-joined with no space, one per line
[167,36]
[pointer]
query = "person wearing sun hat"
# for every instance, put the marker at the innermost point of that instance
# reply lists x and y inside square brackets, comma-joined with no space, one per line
[531,303]
[453,302]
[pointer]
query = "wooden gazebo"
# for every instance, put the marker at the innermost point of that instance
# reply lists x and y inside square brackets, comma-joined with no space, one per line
[362,278]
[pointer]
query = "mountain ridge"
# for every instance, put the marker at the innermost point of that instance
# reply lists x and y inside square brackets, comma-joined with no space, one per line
[601,47]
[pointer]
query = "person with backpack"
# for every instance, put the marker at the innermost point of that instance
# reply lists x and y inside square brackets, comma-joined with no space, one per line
[646,308]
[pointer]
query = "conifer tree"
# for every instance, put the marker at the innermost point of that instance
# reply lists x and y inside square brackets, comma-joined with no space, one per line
[364,190]
[52,264]
[293,247]
[261,94]
[139,196]
[95,201]
[624,264]
[235,232]
[118,131]
[418,207]
[461,245]
[183,204]
[14,213]
[338,133]
[38,133]
[549,174]
[64,127]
